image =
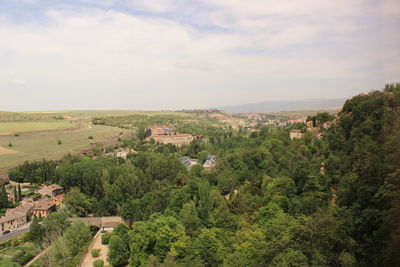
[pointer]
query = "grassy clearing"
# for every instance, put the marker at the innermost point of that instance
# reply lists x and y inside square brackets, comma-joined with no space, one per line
[44,144]
[36,135]
[21,127]
[17,255]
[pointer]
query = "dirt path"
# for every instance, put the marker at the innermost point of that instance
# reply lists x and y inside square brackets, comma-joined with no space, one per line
[96,244]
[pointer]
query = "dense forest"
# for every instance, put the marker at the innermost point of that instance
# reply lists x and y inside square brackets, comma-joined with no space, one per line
[324,200]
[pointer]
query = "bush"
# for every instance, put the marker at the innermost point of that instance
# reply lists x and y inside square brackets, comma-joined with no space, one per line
[59,142]
[98,263]
[90,137]
[22,257]
[10,144]
[95,252]
[105,238]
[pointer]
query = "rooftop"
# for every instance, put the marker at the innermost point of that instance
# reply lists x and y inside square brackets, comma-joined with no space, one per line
[44,205]
[174,135]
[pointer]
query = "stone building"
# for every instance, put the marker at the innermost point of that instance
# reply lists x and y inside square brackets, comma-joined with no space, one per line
[51,190]
[295,134]
[16,217]
[176,139]
[44,208]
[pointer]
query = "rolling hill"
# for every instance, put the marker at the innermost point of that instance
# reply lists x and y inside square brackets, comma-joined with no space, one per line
[276,106]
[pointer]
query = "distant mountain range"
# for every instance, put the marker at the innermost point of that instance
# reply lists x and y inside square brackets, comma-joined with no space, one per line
[277,106]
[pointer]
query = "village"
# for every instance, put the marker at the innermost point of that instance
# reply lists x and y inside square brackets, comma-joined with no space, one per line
[40,200]
[35,202]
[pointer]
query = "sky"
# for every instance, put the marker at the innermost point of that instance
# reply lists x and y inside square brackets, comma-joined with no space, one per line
[176,54]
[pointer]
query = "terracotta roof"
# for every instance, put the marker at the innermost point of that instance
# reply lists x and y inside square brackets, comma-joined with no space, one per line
[169,136]
[12,216]
[59,198]
[16,213]
[44,205]
[54,187]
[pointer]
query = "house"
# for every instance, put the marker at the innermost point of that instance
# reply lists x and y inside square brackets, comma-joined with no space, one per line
[58,200]
[12,221]
[210,162]
[51,190]
[15,217]
[124,153]
[295,134]
[31,199]
[176,139]
[188,162]
[43,208]
[166,135]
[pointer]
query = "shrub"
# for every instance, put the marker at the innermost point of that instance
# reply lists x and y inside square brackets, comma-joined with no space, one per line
[90,137]
[98,263]
[10,144]
[105,238]
[95,252]
[59,142]
[22,257]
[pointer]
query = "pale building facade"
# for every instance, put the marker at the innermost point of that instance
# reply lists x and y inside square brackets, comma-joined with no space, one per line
[295,134]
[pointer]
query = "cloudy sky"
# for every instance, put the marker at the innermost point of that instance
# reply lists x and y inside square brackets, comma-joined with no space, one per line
[173,54]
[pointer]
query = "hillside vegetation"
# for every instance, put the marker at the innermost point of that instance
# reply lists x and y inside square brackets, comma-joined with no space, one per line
[331,200]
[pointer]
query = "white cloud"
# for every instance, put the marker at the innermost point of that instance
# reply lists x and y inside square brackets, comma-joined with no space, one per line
[95,57]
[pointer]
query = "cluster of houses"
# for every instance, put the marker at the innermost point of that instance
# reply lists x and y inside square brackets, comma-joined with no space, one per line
[45,201]
[166,135]
[208,165]
[312,127]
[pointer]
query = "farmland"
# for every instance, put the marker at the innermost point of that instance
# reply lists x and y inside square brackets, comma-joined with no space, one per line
[50,135]
[7,128]
[38,145]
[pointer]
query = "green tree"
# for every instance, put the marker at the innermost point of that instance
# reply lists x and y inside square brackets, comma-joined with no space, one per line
[16,199]
[3,197]
[54,225]
[209,247]
[76,236]
[202,156]
[77,202]
[249,247]
[205,202]
[159,236]
[19,192]
[290,258]
[35,233]
[118,254]
[190,219]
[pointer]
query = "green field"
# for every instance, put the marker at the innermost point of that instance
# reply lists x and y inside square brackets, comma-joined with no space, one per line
[34,135]
[39,145]
[22,253]
[20,127]
[52,115]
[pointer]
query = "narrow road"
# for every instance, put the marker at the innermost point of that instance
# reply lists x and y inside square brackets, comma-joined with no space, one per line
[19,231]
